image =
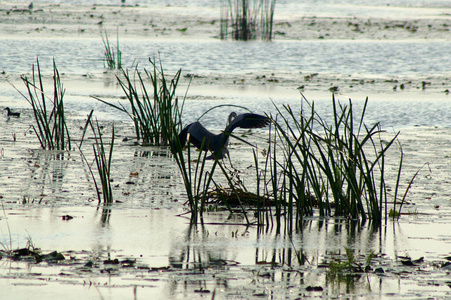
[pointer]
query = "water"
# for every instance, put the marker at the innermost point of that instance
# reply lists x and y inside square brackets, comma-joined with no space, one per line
[38,187]
[366,58]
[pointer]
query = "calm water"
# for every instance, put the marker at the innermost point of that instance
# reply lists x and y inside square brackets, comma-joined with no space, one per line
[144,225]
[209,57]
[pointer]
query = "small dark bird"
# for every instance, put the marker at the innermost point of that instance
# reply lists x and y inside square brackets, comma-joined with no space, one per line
[12,114]
[217,143]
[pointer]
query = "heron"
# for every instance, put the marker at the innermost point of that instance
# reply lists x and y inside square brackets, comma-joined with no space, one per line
[12,114]
[217,143]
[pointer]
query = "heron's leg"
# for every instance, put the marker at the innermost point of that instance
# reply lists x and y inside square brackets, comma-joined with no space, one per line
[230,161]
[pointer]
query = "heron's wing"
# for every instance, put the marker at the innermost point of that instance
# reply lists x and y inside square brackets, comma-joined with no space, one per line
[247,120]
[197,133]
[183,135]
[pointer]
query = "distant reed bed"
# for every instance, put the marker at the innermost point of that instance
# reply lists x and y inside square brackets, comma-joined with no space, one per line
[247,19]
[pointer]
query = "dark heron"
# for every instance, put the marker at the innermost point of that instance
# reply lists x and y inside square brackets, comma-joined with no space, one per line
[12,114]
[217,143]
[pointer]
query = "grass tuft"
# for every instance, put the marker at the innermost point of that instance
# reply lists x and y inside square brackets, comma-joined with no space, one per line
[112,57]
[248,19]
[48,111]
[153,109]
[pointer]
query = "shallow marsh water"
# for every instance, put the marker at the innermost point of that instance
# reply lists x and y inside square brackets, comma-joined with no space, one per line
[173,259]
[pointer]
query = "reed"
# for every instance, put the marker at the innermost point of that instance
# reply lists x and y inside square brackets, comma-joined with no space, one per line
[112,57]
[197,177]
[153,109]
[249,19]
[338,168]
[102,159]
[48,111]
[103,163]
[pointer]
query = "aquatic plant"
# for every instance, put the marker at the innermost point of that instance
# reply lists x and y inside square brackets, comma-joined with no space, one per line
[103,163]
[338,168]
[50,128]
[349,269]
[197,178]
[153,111]
[112,58]
[249,19]
[102,160]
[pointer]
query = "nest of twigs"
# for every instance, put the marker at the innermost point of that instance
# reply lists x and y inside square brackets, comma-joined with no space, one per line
[237,196]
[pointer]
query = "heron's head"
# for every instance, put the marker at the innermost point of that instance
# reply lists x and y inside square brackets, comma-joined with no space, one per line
[231,117]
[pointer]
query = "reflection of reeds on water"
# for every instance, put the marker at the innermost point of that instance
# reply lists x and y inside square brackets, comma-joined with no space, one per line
[248,19]
[48,111]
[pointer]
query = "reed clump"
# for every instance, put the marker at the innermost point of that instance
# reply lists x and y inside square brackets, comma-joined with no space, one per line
[248,19]
[311,166]
[197,176]
[48,110]
[103,162]
[153,108]
[103,155]
[338,168]
[112,57]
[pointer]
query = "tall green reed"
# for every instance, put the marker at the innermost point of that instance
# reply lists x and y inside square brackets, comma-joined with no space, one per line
[102,159]
[103,162]
[112,57]
[153,109]
[198,174]
[249,19]
[338,167]
[197,177]
[48,111]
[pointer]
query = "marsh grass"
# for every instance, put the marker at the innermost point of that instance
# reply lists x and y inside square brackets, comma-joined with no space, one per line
[7,246]
[112,57]
[337,168]
[102,159]
[248,19]
[103,162]
[153,109]
[48,111]
[196,176]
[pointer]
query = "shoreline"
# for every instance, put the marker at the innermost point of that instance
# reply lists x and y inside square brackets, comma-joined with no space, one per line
[183,22]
